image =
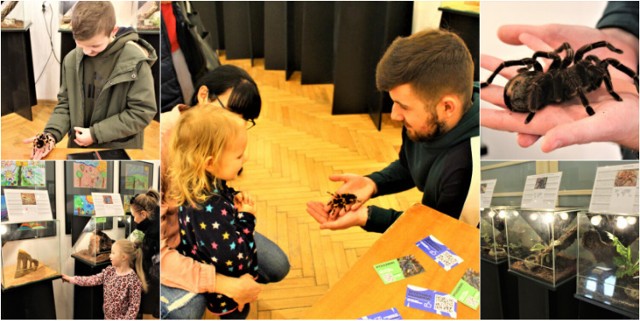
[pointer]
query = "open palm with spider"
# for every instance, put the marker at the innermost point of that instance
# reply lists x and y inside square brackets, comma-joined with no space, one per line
[566,97]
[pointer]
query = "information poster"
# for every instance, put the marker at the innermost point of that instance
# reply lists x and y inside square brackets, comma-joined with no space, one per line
[541,191]
[27,205]
[486,192]
[615,190]
[107,204]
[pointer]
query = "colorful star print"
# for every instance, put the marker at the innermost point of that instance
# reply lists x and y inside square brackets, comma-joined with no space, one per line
[215,225]
[232,246]
[203,226]
[229,263]
[209,208]
[214,245]
[225,236]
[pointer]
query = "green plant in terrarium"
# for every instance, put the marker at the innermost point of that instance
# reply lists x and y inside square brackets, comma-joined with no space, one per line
[624,260]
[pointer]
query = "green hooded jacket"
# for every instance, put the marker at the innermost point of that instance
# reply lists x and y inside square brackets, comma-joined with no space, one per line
[117,102]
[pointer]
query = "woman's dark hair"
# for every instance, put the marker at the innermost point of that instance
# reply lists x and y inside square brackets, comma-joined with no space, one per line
[245,98]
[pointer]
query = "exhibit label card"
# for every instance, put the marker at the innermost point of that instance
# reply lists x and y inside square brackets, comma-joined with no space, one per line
[466,294]
[439,252]
[615,190]
[391,314]
[541,191]
[431,301]
[486,192]
[398,269]
[27,205]
[108,204]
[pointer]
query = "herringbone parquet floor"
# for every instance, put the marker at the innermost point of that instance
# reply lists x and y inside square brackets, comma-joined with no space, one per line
[295,146]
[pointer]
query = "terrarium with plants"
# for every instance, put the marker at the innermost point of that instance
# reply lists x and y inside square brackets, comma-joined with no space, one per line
[30,252]
[547,240]
[608,261]
[493,242]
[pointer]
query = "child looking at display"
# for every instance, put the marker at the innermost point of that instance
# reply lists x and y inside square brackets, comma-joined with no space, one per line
[106,96]
[216,222]
[122,288]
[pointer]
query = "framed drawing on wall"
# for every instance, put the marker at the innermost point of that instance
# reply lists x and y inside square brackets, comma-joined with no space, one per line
[82,177]
[135,177]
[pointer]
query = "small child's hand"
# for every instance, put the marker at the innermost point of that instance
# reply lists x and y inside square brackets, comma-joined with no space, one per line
[70,279]
[83,136]
[42,144]
[244,203]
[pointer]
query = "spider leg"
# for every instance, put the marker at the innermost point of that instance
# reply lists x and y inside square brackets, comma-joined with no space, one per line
[616,64]
[557,61]
[585,102]
[606,77]
[529,62]
[592,46]
[529,117]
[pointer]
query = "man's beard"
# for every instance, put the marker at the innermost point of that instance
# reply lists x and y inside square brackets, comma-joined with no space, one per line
[439,130]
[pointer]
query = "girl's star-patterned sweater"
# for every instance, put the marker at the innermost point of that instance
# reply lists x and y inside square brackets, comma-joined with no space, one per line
[122,293]
[218,234]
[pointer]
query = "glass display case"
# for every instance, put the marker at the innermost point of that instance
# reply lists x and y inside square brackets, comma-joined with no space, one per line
[493,241]
[13,16]
[148,15]
[30,252]
[94,243]
[608,260]
[544,244]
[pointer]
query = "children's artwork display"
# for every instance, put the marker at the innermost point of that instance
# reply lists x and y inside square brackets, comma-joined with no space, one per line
[83,177]
[24,173]
[3,211]
[90,174]
[83,205]
[135,177]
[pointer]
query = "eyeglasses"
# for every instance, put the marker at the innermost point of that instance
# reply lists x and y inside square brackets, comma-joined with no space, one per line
[250,122]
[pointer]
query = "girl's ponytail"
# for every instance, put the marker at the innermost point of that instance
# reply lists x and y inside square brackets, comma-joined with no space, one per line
[140,270]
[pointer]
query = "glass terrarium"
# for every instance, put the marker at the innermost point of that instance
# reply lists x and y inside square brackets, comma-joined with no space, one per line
[30,252]
[13,16]
[148,15]
[93,246]
[546,243]
[493,242]
[608,260]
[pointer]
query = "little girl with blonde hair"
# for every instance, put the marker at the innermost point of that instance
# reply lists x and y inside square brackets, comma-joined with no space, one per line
[216,223]
[122,285]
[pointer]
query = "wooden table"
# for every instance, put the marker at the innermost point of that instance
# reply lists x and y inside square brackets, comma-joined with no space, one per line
[361,292]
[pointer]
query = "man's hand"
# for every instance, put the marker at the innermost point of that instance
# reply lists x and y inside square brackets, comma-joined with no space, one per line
[243,290]
[42,144]
[567,124]
[83,136]
[362,187]
[343,221]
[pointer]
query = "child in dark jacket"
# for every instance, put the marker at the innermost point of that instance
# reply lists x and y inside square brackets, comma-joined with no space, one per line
[216,222]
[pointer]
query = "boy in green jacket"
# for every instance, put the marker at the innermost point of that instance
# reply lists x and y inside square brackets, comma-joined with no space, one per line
[106,96]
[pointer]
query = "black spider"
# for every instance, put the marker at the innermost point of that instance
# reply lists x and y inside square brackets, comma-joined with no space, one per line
[340,202]
[531,90]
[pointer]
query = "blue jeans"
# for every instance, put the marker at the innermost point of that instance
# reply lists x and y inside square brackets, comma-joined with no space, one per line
[180,304]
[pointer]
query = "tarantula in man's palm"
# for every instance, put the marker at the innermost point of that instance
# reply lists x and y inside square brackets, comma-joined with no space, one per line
[531,90]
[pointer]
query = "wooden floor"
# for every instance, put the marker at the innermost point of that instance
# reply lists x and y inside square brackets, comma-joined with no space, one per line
[294,147]
[15,129]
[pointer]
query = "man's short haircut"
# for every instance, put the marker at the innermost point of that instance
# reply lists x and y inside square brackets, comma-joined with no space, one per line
[91,18]
[433,62]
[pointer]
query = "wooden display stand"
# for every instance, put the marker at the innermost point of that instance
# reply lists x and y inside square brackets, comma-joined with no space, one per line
[88,300]
[30,301]
[499,295]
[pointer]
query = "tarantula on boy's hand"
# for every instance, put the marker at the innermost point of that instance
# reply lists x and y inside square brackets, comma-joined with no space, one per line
[341,202]
[573,75]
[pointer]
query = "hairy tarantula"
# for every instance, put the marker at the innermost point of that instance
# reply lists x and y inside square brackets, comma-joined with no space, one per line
[340,202]
[531,90]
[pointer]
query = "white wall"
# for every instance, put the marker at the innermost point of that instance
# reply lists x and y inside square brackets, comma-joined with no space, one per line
[425,15]
[503,145]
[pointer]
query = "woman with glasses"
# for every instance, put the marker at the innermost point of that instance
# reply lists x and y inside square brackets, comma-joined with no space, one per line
[182,278]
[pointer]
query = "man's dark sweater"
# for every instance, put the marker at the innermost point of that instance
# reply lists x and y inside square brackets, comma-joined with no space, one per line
[441,169]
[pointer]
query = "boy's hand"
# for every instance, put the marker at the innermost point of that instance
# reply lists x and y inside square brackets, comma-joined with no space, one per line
[83,136]
[42,144]
[244,203]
